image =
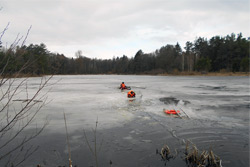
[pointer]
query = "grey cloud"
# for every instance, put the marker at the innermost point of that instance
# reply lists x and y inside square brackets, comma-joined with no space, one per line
[92,22]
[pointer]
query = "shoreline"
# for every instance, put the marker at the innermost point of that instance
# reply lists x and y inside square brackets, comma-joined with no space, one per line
[178,74]
[207,74]
[150,74]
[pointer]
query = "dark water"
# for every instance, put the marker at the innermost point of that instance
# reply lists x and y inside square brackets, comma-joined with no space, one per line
[130,133]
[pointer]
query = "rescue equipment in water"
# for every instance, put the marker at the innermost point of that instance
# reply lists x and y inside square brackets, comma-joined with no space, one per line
[127,88]
[174,112]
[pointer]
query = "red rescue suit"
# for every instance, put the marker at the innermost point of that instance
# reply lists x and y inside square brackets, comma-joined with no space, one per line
[123,86]
[131,94]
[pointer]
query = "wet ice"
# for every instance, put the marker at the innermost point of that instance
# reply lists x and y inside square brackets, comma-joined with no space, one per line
[218,108]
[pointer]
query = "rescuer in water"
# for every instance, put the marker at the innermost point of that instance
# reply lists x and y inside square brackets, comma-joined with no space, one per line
[131,94]
[123,86]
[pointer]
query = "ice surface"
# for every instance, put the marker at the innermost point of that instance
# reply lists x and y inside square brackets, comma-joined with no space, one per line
[216,104]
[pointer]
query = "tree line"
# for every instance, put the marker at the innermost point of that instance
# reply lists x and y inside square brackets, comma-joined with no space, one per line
[229,53]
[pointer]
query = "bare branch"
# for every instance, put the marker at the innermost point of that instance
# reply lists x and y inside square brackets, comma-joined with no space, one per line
[28,105]
[94,151]
[26,36]
[14,119]
[16,41]
[28,153]
[69,152]
[3,32]
[25,140]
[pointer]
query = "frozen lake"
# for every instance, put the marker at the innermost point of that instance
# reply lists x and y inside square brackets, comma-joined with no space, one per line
[130,132]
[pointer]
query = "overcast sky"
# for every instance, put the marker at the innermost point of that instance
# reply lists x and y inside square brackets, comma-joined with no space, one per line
[107,28]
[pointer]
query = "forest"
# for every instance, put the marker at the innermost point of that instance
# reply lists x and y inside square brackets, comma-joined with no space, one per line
[228,54]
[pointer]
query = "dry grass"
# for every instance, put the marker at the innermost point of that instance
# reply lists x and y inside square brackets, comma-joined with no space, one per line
[165,153]
[201,159]
[193,157]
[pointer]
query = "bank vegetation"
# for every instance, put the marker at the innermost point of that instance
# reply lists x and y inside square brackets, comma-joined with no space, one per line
[227,55]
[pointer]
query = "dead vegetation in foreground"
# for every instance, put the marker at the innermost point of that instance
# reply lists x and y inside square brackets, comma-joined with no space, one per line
[193,157]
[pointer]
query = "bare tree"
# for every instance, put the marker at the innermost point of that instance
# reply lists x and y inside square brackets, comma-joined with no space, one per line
[18,109]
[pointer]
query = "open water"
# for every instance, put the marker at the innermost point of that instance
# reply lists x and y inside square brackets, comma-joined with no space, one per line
[132,132]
